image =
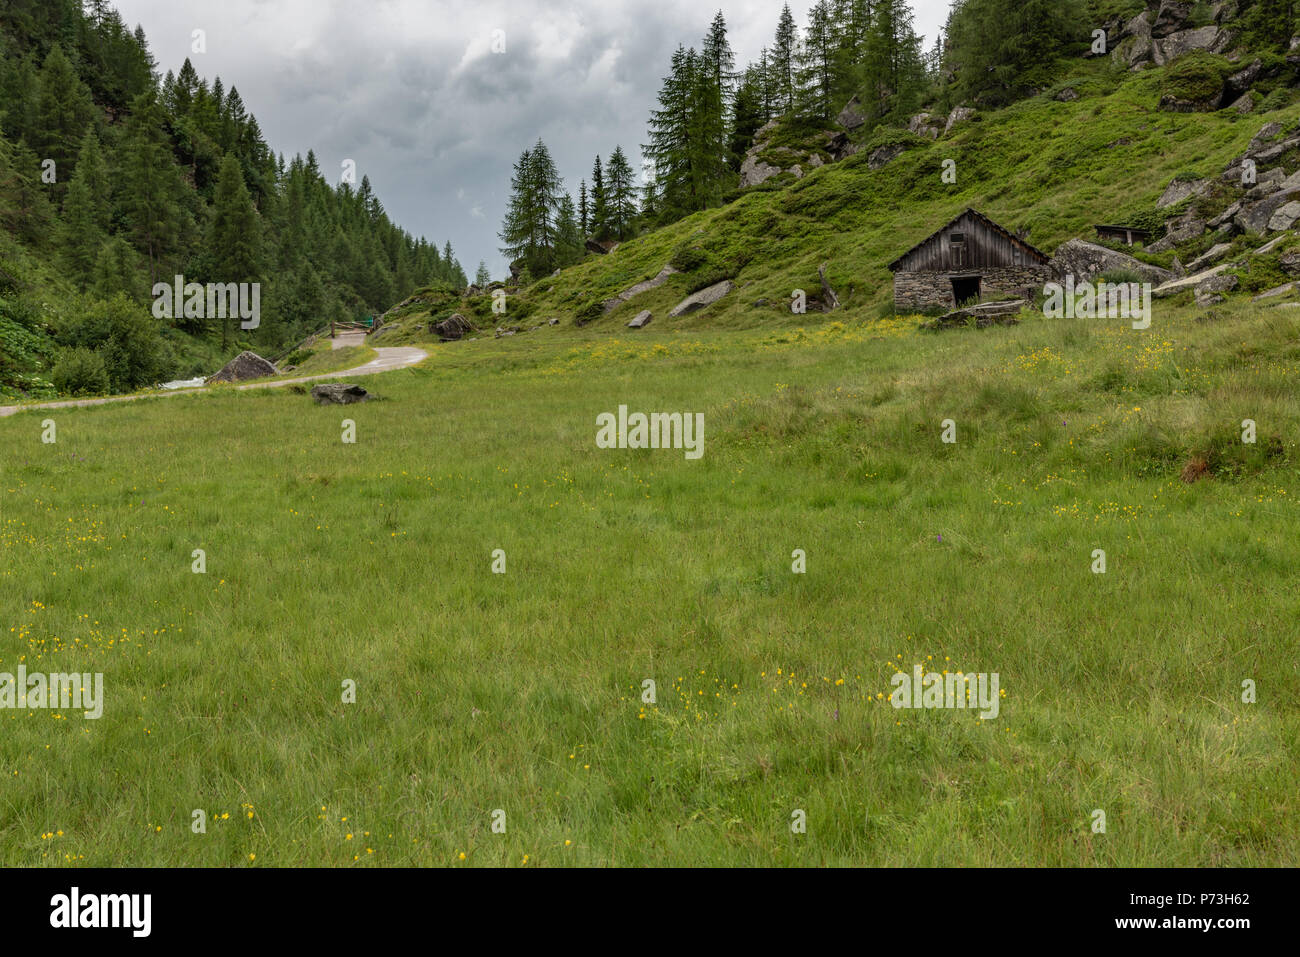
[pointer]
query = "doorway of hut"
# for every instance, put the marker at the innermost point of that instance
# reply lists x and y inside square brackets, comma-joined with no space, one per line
[965,289]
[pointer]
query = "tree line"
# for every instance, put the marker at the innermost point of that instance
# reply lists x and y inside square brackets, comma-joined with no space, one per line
[116,179]
[708,113]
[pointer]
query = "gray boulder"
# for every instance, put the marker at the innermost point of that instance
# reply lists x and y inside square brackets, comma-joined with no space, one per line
[923,125]
[1085,260]
[640,320]
[754,171]
[705,297]
[1266,184]
[959,114]
[632,291]
[1209,257]
[1274,293]
[885,155]
[1182,230]
[1284,218]
[453,327]
[245,366]
[1210,292]
[851,116]
[1171,17]
[1181,189]
[1212,39]
[1255,218]
[338,393]
[1182,284]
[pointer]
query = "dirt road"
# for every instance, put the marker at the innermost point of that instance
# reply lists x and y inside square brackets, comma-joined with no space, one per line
[387,360]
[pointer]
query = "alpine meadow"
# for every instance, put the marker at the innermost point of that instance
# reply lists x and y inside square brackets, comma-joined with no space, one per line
[862,434]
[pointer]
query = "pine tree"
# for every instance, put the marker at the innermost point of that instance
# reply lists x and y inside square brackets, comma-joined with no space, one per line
[63,110]
[620,193]
[747,113]
[599,210]
[482,277]
[149,184]
[584,212]
[817,63]
[785,50]
[568,236]
[115,270]
[672,148]
[235,234]
[84,226]
[997,47]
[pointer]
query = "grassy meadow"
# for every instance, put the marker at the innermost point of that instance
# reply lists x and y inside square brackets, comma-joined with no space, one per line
[522,692]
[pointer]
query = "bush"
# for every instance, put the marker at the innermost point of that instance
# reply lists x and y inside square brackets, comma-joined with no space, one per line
[1197,77]
[124,335]
[80,372]
[1277,100]
[688,258]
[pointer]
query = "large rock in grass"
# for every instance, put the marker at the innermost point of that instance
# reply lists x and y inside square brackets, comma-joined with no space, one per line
[453,327]
[1255,218]
[1211,38]
[338,393]
[245,366]
[1181,189]
[1085,260]
[705,297]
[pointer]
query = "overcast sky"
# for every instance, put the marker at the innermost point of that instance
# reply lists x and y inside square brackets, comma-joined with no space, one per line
[411,90]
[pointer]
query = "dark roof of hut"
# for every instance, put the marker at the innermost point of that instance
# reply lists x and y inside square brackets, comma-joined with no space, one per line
[1016,240]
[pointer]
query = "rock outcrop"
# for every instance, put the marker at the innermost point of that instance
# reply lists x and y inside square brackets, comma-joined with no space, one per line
[245,366]
[636,290]
[453,327]
[1084,261]
[1165,32]
[705,297]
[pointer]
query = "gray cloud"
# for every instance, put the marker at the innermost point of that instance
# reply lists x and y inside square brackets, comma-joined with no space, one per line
[411,90]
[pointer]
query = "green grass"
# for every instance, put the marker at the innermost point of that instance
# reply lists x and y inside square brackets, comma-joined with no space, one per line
[1055,169]
[521,692]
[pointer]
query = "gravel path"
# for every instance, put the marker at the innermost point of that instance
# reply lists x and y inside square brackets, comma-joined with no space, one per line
[387,360]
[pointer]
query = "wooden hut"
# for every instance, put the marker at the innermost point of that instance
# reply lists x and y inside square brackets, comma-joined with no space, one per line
[970,258]
[1128,235]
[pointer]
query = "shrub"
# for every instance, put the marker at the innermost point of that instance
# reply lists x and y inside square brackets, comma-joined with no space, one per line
[1277,100]
[1197,77]
[80,372]
[688,258]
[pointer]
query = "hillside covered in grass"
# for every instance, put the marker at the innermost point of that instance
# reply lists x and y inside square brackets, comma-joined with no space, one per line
[1100,145]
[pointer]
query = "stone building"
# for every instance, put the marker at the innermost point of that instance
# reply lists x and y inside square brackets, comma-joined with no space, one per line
[971,258]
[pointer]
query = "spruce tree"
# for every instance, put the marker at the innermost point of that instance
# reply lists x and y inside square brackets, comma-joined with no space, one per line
[599,208]
[785,50]
[84,226]
[235,234]
[63,110]
[149,184]
[620,196]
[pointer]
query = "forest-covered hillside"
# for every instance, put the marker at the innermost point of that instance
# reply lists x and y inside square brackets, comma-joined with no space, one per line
[114,177]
